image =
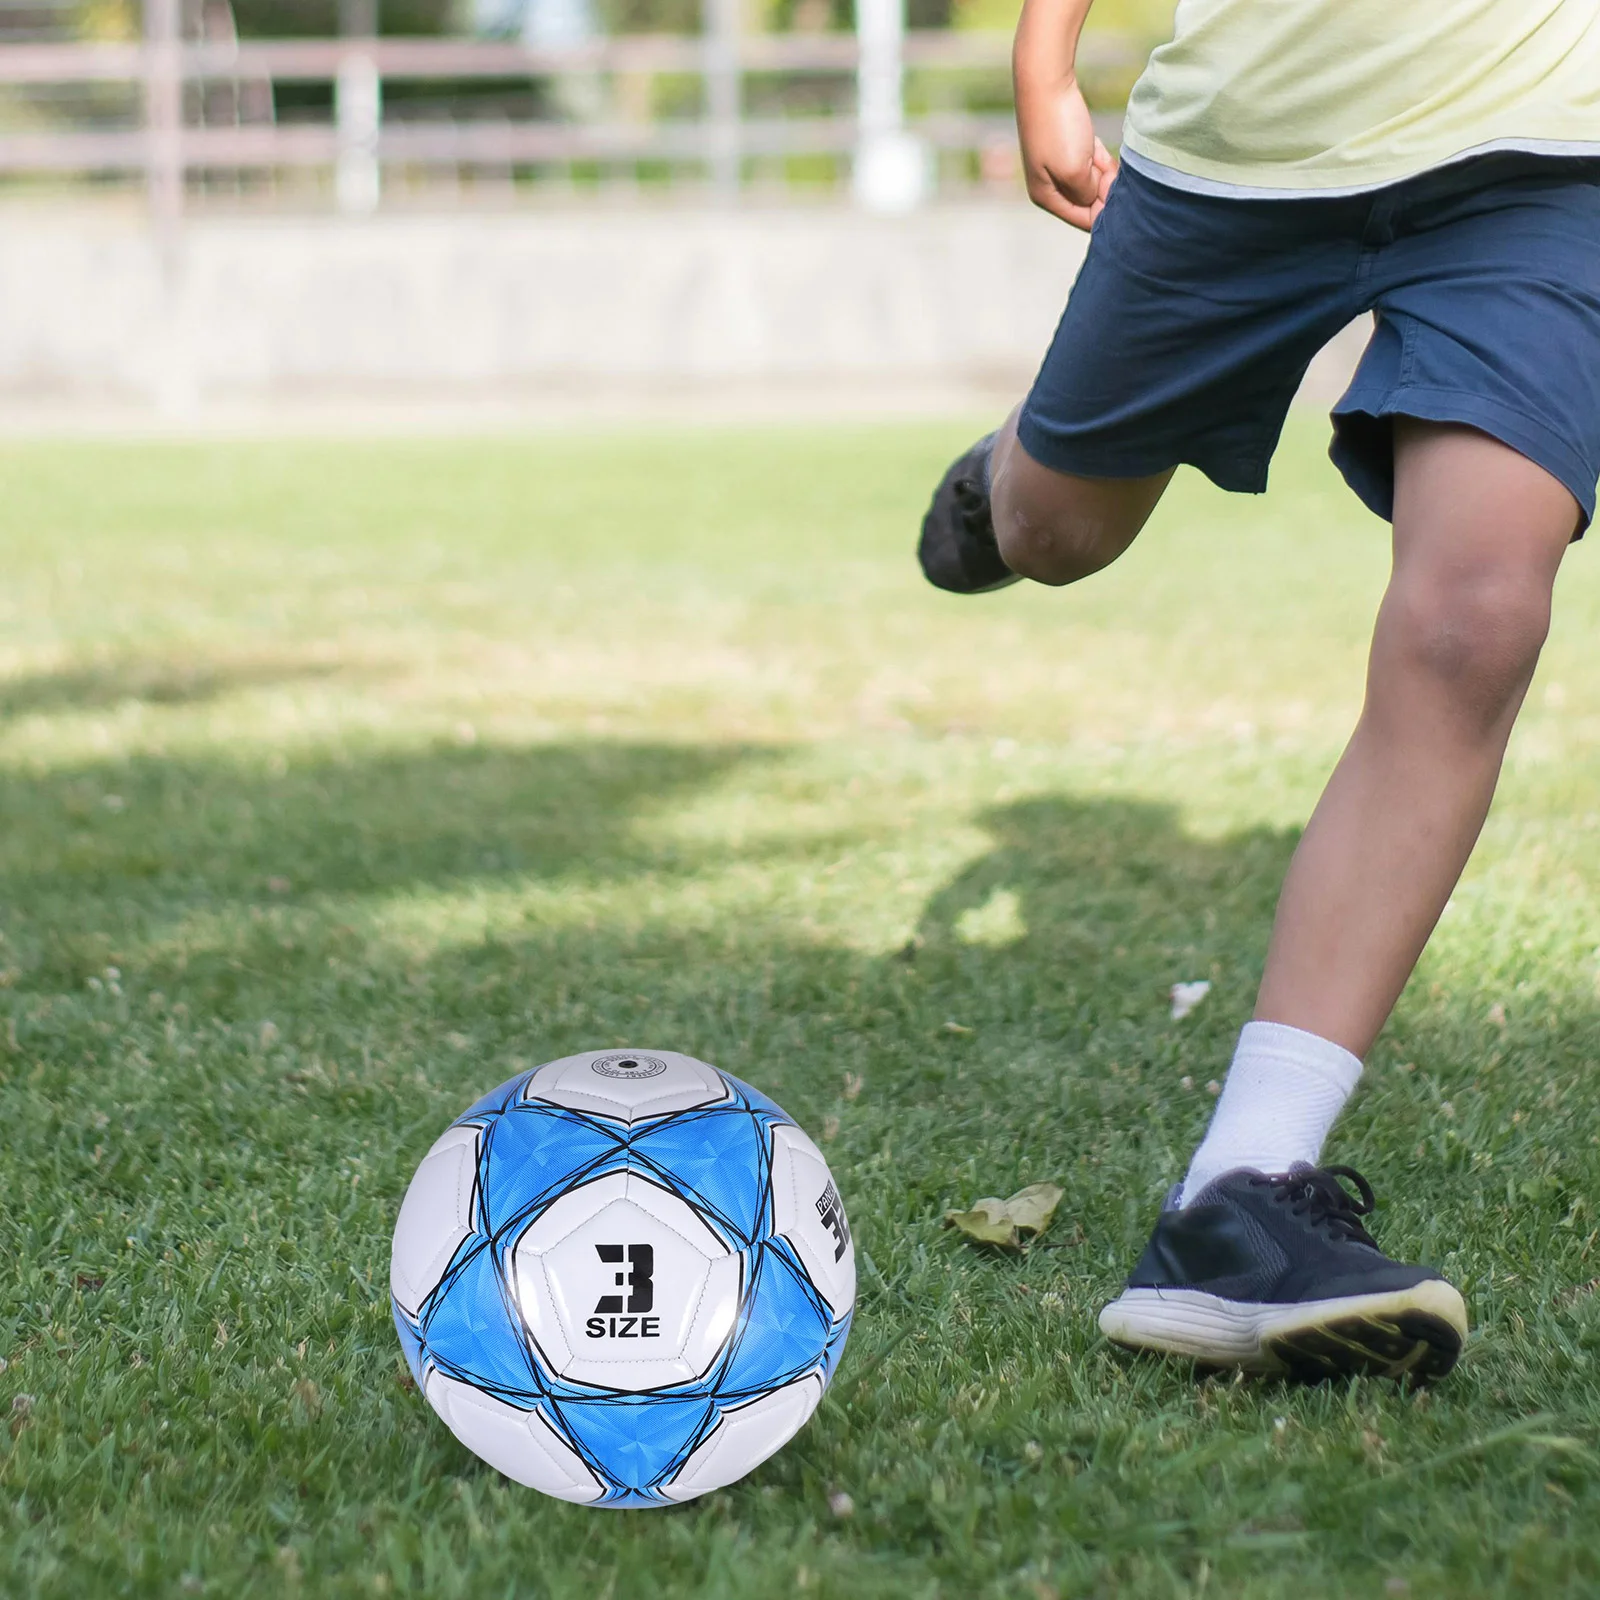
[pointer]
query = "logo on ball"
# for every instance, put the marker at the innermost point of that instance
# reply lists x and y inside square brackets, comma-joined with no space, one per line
[641,1285]
[831,1210]
[629,1067]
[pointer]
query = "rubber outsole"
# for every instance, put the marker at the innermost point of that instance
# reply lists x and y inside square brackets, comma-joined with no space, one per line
[1413,1335]
[949,556]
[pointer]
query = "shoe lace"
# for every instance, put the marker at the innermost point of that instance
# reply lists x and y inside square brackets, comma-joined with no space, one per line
[1316,1194]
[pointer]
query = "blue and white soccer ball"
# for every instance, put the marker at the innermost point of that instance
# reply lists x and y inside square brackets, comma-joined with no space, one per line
[623,1278]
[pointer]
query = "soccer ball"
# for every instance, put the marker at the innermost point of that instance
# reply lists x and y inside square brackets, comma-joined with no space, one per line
[623,1278]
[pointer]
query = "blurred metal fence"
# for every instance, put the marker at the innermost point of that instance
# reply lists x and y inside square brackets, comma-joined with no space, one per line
[191,107]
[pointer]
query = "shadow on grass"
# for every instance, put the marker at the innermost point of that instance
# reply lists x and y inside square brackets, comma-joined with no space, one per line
[152,681]
[1109,900]
[1028,1013]
[105,862]
[1038,977]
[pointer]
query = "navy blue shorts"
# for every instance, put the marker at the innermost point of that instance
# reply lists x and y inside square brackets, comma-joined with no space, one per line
[1195,316]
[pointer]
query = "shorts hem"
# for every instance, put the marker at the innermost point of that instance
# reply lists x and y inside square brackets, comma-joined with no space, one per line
[1083,458]
[1527,435]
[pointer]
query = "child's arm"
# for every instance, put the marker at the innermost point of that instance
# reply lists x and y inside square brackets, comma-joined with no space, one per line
[1068,170]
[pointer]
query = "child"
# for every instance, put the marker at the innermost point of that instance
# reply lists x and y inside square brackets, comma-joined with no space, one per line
[1287,166]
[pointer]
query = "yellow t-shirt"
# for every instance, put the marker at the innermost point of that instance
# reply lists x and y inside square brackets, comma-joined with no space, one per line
[1330,95]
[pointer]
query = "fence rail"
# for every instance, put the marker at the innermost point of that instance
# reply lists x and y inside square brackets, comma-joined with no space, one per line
[164,146]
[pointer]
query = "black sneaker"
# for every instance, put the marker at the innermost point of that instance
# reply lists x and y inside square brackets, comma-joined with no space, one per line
[1275,1273]
[957,549]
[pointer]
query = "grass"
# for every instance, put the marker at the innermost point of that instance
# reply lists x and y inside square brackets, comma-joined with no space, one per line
[338,782]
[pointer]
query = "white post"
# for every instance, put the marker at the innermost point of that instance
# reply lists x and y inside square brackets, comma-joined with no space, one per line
[163,114]
[171,373]
[891,165]
[357,111]
[724,100]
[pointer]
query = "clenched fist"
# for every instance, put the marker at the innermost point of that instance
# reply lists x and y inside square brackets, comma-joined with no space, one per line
[1069,171]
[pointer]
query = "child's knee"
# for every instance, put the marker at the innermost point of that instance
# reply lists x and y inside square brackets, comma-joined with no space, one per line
[1056,552]
[1053,541]
[1056,528]
[1476,635]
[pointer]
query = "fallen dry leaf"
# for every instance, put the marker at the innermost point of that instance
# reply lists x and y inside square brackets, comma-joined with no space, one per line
[310,1401]
[1009,1224]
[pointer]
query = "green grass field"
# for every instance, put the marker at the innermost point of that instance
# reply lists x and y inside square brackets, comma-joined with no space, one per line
[338,782]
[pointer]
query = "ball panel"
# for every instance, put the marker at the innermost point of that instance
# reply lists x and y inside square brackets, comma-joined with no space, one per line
[518,1443]
[807,1211]
[603,1082]
[532,1152]
[611,1283]
[784,1329]
[716,1316]
[744,1437]
[435,1217]
[718,1158]
[572,1210]
[535,1302]
[675,1212]
[636,1443]
[472,1328]
[625,1288]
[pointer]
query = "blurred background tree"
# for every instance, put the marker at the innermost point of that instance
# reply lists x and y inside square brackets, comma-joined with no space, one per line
[1145,20]
[1149,21]
[1139,19]
[299,19]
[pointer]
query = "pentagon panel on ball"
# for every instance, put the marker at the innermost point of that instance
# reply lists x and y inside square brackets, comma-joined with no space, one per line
[623,1278]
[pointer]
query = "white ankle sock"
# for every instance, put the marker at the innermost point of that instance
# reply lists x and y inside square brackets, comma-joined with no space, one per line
[1282,1094]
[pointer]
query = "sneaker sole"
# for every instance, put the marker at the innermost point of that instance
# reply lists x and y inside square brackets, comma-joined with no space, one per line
[1414,1334]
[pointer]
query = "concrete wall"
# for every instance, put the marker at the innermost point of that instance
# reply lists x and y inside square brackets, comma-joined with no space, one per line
[579,298]
[539,309]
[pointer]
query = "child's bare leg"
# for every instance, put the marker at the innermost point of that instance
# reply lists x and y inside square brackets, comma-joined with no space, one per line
[1056,528]
[1479,533]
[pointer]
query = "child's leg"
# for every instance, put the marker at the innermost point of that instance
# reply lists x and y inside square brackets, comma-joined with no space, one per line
[999,515]
[1056,528]
[1479,532]
[1266,1263]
